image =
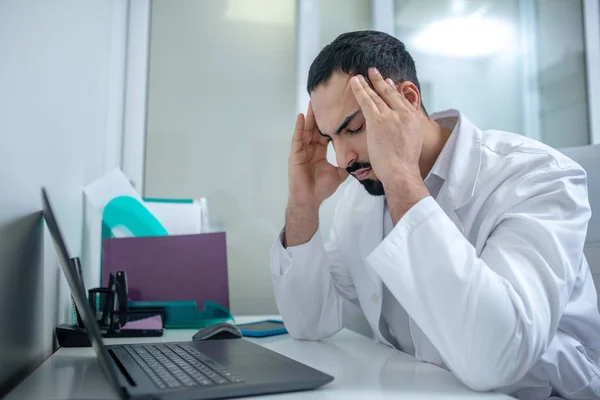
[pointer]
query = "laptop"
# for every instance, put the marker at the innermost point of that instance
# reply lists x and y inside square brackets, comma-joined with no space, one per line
[210,369]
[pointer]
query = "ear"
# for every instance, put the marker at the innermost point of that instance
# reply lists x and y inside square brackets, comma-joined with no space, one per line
[410,91]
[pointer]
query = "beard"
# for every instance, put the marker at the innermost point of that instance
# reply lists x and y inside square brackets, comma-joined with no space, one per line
[372,186]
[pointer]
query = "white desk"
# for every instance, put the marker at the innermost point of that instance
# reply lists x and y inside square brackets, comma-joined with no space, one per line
[362,369]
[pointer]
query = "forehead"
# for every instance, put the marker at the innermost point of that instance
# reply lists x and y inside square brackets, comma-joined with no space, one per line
[332,102]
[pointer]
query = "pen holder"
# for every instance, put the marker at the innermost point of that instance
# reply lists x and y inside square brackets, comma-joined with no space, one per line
[102,303]
[77,314]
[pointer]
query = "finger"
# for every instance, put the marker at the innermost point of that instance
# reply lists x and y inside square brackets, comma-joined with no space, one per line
[310,123]
[311,130]
[379,102]
[366,102]
[322,140]
[383,89]
[297,138]
[391,83]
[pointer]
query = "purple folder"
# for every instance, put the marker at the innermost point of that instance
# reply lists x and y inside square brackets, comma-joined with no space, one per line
[170,268]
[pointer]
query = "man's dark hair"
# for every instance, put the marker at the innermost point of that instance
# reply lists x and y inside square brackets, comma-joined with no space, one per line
[354,52]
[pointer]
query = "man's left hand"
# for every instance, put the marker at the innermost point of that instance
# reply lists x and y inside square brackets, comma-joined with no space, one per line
[394,141]
[394,127]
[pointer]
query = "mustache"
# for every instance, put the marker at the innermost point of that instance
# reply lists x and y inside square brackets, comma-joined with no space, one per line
[355,166]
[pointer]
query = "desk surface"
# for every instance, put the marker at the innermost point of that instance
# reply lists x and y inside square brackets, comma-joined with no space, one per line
[362,369]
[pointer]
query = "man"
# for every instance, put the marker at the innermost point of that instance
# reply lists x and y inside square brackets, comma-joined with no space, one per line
[461,247]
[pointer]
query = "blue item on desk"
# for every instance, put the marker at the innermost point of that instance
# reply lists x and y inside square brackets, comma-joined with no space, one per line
[269,327]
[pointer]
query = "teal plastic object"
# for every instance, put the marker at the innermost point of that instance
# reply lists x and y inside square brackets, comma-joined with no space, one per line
[128,212]
[185,314]
[161,200]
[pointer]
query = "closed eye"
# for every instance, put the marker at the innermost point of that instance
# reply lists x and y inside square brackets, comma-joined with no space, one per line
[351,132]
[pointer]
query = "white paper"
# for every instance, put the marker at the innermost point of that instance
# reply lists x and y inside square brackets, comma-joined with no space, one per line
[177,218]
[111,185]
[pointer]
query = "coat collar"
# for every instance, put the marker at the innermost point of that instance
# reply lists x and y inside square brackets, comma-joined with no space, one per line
[459,162]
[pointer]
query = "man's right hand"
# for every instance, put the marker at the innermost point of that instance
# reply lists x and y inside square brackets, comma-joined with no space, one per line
[312,179]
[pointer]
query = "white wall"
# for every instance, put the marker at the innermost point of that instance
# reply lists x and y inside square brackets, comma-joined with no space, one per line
[340,16]
[54,104]
[221,111]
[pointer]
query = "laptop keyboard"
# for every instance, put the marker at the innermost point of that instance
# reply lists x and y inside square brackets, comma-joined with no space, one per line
[172,366]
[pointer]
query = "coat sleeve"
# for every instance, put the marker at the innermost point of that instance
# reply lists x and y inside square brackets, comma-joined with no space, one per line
[491,316]
[313,289]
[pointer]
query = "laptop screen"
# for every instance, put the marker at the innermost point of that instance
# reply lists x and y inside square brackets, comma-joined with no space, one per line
[79,297]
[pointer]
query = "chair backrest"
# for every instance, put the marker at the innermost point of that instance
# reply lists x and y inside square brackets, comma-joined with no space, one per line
[589,158]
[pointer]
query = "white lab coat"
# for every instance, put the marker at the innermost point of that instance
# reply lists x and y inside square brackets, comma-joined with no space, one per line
[491,273]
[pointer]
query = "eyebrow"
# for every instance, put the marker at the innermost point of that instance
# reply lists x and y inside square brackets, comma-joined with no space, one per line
[344,124]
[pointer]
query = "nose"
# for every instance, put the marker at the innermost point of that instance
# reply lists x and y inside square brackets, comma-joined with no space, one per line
[344,154]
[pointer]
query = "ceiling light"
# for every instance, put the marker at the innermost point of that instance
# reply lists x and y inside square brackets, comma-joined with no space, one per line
[265,12]
[472,36]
